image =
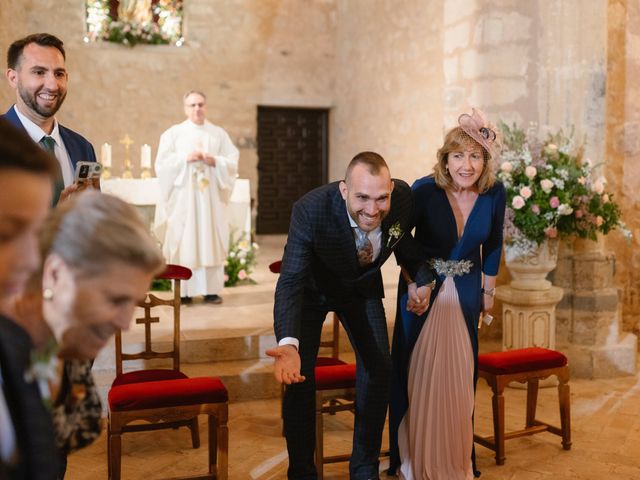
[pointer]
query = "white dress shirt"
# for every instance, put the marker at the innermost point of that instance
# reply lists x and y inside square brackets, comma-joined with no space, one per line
[36,134]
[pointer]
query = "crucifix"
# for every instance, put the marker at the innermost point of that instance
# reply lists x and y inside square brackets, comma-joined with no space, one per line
[127,142]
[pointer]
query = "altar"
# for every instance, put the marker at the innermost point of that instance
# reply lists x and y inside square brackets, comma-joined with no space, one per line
[144,192]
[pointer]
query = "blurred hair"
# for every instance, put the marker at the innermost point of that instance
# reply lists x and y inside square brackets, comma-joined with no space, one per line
[197,92]
[14,53]
[373,161]
[455,139]
[19,152]
[91,230]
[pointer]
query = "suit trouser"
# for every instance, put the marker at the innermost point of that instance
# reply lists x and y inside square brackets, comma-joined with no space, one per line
[366,326]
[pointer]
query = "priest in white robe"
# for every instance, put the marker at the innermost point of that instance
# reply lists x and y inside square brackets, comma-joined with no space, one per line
[197,165]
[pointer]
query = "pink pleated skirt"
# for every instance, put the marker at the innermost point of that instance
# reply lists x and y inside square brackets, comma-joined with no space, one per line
[436,434]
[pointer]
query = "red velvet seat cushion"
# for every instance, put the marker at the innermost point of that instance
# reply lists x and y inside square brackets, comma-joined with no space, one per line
[520,360]
[147,376]
[275,266]
[175,272]
[328,361]
[336,376]
[167,393]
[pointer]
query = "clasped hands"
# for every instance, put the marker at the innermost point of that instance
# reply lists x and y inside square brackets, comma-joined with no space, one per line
[198,156]
[418,298]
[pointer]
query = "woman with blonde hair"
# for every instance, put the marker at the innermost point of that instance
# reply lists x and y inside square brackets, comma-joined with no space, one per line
[458,218]
[98,260]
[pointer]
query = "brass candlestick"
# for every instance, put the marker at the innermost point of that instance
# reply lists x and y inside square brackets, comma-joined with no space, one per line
[127,142]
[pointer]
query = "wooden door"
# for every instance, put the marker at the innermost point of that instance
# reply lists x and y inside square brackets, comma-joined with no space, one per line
[292,160]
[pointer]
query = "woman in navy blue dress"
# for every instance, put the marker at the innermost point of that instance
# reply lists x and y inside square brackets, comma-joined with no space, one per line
[459,214]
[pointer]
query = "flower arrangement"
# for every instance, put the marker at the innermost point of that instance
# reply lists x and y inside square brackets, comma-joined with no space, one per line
[552,192]
[240,261]
[161,25]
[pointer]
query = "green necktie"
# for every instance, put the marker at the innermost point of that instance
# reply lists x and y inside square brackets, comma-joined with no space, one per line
[49,144]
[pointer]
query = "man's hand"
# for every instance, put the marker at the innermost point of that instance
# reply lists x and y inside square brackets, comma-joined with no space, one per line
[287,364]
[195,156]
[67,192]
[209,160]
[418,301]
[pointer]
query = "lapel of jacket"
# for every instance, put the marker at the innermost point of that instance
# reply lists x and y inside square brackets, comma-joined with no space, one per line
[12,117]
[344,233]
[71,146]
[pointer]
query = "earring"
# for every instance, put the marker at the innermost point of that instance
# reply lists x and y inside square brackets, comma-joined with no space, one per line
[47,294]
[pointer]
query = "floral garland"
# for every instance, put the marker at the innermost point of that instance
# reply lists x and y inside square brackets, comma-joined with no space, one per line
[166,31]
[552,192]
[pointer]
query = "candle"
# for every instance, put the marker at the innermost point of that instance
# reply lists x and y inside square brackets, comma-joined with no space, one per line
[105,156]
[145,156]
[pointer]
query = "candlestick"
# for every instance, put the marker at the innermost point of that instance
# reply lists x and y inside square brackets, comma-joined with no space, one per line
[127,142]
[105,155]
[145,156]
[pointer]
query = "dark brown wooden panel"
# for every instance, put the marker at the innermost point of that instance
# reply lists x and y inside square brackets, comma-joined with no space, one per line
[292,159]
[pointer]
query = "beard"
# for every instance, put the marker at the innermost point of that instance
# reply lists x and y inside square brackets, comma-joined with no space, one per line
[31,101]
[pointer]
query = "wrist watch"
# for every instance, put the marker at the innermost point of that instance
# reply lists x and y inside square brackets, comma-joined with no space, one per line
[490,292]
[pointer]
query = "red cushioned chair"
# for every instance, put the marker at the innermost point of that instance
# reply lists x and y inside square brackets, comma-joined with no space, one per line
[528,365]
[335,387]
[166,398]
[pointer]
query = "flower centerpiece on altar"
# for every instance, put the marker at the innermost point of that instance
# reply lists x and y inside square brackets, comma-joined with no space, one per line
[552,193]
[240,261]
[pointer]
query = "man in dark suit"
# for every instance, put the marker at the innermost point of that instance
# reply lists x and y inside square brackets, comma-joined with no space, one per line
[27,448]
[339,237]
[36,71]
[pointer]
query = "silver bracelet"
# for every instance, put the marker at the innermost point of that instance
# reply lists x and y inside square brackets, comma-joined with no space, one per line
[491,292]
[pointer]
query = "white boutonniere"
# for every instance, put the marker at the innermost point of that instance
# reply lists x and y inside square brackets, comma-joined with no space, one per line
[43,369]
[395,232]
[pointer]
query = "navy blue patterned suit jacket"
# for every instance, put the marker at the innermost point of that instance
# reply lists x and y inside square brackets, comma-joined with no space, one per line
[320,262]
[78,147]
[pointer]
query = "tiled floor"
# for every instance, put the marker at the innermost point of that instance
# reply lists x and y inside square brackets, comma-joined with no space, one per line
[605,419]
[605,429]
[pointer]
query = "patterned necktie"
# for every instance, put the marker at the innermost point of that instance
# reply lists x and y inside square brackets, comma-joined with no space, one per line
[48,143]
[364,247]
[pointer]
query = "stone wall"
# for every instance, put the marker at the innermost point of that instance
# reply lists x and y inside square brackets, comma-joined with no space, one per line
[389,84]
[241,53]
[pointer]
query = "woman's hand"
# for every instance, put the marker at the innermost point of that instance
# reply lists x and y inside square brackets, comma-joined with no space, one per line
[487,303]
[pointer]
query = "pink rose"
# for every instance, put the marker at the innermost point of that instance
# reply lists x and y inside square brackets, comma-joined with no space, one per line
[242,274]
[525,192]
[554,202]
[535,209]
[598,186]
[517,202]
[579,213]
[599,221]
[530,171]
[551,232]
[506,167]
[546,185]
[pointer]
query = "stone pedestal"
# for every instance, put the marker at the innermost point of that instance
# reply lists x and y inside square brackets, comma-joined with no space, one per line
[529,301]
[528,317]
[592,337]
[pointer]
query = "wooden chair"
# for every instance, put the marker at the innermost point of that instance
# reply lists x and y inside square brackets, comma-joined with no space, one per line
[166,398]
[528,365]
[335,387]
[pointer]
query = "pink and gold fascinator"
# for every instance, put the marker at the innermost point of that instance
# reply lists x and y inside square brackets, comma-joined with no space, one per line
[481,130]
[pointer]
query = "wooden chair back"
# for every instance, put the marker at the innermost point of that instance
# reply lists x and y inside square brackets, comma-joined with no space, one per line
[175,273]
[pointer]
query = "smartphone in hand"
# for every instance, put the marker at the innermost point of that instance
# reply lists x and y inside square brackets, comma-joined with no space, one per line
[88,173]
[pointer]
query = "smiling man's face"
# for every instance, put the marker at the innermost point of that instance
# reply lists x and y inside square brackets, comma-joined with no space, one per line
[40,79]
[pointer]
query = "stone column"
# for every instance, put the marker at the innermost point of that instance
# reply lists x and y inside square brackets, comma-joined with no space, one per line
[590,313]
